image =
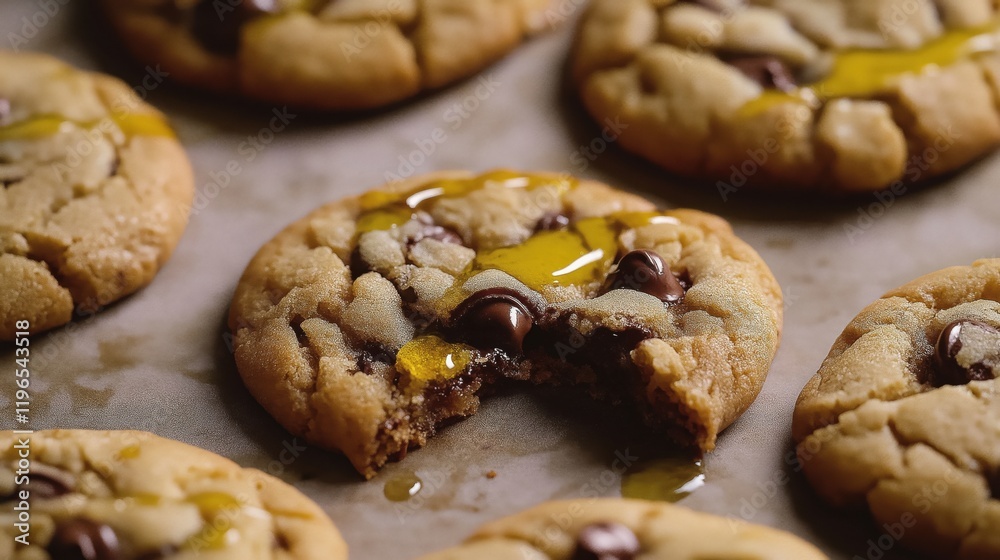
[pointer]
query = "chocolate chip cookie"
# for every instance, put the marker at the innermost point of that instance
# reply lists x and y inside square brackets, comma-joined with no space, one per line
[904,415]
[610,529]
[325,54]
[132,495]
[823,95]
[376,319]
[94,192]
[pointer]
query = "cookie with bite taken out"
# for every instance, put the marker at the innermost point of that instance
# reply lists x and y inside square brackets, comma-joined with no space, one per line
[369,323]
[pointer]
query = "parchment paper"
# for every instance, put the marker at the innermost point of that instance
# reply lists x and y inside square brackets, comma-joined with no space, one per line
[159,361]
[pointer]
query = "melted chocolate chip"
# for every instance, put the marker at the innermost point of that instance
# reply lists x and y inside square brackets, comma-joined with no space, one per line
[768,71]
[440,233]
[951,341]
[494,318]
[47,483]
[430,230]
[606,541]
[552,221]
[359,267]
[645,271]
[165,551]
[83,539]
[218,25]
[372,356]
[281,542]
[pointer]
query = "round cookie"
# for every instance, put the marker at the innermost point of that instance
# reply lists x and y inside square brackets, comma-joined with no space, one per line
[606,529]
[94,192]
[133,495]
[904,414]
[325,54]
[374,320]
[822,95]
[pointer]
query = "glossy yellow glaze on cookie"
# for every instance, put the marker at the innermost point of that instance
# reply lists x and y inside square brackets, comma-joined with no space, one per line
[431,357]
[50,125]
[582,253]
[865,73]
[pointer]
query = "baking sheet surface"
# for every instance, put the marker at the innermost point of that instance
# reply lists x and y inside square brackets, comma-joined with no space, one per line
[158,361]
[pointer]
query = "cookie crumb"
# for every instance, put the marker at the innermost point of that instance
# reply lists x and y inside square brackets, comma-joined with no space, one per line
[491,475]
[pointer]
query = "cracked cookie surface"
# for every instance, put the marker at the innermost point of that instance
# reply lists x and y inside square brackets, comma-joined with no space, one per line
[325,54]
[904,414]
[133,495]
[94,192]
[820,95]
[374,320]
[624,530]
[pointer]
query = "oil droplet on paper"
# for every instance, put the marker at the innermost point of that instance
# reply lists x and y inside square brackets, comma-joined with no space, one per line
[669,479]
[403,486]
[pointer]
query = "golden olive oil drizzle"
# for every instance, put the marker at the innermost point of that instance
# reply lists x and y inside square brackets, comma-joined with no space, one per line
[382,210]
[430,357]
[868,72]
[580,254]
[218,510]
[131,125]
[403,486]
[668,479]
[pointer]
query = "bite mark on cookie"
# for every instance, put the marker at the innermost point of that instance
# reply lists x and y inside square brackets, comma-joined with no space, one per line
[534,278]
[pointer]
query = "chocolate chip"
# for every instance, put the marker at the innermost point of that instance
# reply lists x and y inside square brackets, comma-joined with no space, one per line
[359,267]
[49,482]
[768,71]
[165,551]
[430,230]
[439,233]
[373,356]
[645,271]
[83,539]
[994,482]
[281,542]
[606,541]
[494,318]
[552,221]
[218,25]
[953,339]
